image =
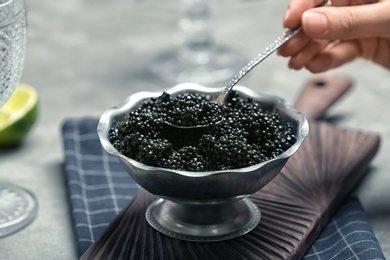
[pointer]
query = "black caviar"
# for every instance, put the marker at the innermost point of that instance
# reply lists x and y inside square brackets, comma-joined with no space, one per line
[248,134]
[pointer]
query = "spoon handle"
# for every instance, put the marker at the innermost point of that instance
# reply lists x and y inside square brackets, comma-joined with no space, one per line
[287,35]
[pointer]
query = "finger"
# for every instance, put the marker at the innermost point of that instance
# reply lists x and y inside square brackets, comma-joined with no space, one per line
[348,22]
[377,50]
[293,46]
[308,53]
[292,17]
[383,57]
[353,2]
[334,57]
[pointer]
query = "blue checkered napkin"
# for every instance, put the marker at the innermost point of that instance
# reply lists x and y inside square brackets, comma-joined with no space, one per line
[347,236]
[97,183]
[99,187]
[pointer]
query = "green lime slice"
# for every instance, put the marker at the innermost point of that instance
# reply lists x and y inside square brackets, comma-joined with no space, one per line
[18,115]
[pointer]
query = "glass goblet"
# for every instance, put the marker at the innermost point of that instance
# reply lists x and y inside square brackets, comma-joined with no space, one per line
[17,205]
[198,58]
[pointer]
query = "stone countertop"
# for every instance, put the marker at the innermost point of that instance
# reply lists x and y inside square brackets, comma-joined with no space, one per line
[84,56]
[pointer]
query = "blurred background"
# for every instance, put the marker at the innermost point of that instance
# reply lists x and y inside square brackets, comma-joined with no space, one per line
[84,56]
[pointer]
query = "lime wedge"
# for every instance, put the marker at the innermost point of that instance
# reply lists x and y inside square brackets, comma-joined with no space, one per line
[18,115]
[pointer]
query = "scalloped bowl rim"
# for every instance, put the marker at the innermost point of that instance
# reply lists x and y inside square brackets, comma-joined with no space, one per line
[106,122]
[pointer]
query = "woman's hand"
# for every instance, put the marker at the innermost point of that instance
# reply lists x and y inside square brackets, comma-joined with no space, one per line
[337,34]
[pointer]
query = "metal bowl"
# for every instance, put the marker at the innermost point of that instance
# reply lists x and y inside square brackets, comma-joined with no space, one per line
[203,206]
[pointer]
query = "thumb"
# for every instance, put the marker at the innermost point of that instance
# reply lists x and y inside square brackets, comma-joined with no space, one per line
[347,23]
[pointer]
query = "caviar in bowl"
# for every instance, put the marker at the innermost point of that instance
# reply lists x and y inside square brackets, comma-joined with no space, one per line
[209,203]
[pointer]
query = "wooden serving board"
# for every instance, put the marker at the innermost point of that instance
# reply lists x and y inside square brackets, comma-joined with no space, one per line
[295,206]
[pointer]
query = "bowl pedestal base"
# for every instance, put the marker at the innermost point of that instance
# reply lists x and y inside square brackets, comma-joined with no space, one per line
[203,221]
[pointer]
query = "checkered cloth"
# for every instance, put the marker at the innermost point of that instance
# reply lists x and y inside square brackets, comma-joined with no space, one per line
[99,187]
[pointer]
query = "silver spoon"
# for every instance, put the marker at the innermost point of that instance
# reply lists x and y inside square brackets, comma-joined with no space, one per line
[221,98]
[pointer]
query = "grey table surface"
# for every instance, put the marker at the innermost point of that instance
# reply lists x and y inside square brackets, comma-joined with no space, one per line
[84,56]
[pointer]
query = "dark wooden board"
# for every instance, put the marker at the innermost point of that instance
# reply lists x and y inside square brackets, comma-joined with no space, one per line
[295,206]
[320,92]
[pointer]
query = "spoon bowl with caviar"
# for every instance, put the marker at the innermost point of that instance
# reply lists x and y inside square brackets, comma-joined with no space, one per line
[203,179]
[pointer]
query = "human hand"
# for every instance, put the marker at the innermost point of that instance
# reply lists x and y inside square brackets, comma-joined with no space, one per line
[337,34]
